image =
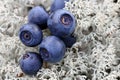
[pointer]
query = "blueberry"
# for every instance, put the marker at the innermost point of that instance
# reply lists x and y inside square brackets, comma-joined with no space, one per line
[30,35]
[61,23]
[38,16]
[30,63]
[69,41]
[57,4]
[52,49]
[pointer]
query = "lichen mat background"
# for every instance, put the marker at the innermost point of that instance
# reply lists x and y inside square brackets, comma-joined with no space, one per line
[95,55]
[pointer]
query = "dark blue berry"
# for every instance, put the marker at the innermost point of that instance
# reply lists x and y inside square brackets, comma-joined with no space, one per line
[30,34]
[69,41]
[61,23]
[30,63]
[57,4]
[38,16]
[52,49]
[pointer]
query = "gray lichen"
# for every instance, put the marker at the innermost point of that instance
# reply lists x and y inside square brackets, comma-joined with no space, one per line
[95,55]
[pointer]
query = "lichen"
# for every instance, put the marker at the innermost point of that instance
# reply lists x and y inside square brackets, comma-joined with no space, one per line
[95,55]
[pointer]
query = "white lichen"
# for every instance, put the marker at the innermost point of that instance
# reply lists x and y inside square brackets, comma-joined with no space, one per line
[95,55]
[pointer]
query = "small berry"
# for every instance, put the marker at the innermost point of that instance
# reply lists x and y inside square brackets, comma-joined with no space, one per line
[38,16]
[69,41]
[61,23]
[52,49]
[30,63]
[30,34]
[57,4]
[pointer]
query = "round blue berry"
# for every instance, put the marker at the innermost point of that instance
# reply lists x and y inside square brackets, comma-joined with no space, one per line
[69,41]
[52,49]
[57,4]
[30,63]
[38,16]
[61,23]
[30,35]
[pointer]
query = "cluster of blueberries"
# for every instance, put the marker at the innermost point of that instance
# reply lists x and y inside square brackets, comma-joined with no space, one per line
[61,24]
